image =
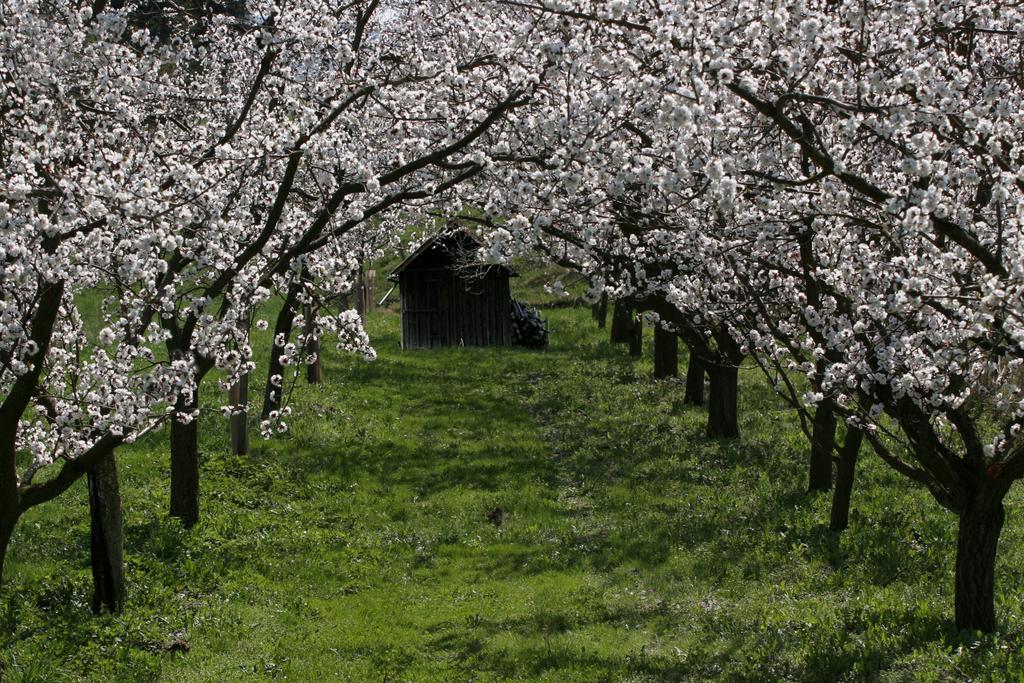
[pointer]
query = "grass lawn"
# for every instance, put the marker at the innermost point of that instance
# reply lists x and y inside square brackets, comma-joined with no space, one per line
[356,548]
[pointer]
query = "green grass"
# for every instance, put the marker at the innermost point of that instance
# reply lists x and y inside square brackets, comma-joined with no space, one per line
[635,549]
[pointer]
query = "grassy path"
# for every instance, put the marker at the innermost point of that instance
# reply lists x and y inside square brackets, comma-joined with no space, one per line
[634,549]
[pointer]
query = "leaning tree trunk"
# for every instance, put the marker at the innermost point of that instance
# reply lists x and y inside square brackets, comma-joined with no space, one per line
[600,311]
[823,441]
[282,327]
[981,520]
[314,373]
[636,336]
[9,501]
[622,323]
[694,381]
[185,464]
[107,537]
[845,471]
[723,399]
[666,353]
[8,520]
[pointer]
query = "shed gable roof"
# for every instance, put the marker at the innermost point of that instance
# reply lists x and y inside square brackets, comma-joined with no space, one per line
[451,241]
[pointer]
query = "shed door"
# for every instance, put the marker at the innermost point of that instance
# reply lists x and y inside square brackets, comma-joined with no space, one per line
[427,313]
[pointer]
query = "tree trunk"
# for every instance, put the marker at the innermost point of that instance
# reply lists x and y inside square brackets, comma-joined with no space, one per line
[185,465]
[599,311]
[283,326]
[694,381]
[823,441]
[723,398]
[981,520]
[107,537]
[845,471]
[636,336]
[666,353]
[8,520]
[239,420]
[313,371]
[10,501]
[622,323]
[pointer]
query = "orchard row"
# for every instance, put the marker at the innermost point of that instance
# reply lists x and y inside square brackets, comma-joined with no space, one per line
[831,191]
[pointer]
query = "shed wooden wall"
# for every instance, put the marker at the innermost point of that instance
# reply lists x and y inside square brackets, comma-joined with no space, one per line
[439,308]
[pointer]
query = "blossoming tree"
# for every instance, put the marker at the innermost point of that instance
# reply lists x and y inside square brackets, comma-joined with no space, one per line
[182,162]
[838,186]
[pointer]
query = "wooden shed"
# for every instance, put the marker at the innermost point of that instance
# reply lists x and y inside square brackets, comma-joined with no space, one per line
[449,298]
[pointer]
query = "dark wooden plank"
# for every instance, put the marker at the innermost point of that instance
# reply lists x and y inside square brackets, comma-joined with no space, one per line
[415,319]
[410,302]
[426,327]
[495,317]
[469,323]
[478,303]
[453,310]
[507,309]
[423,323]
[465,314]
[499,336]
[489,316]
[499,308]
[434,316]
[481,321]
[481,298]
[403,293]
